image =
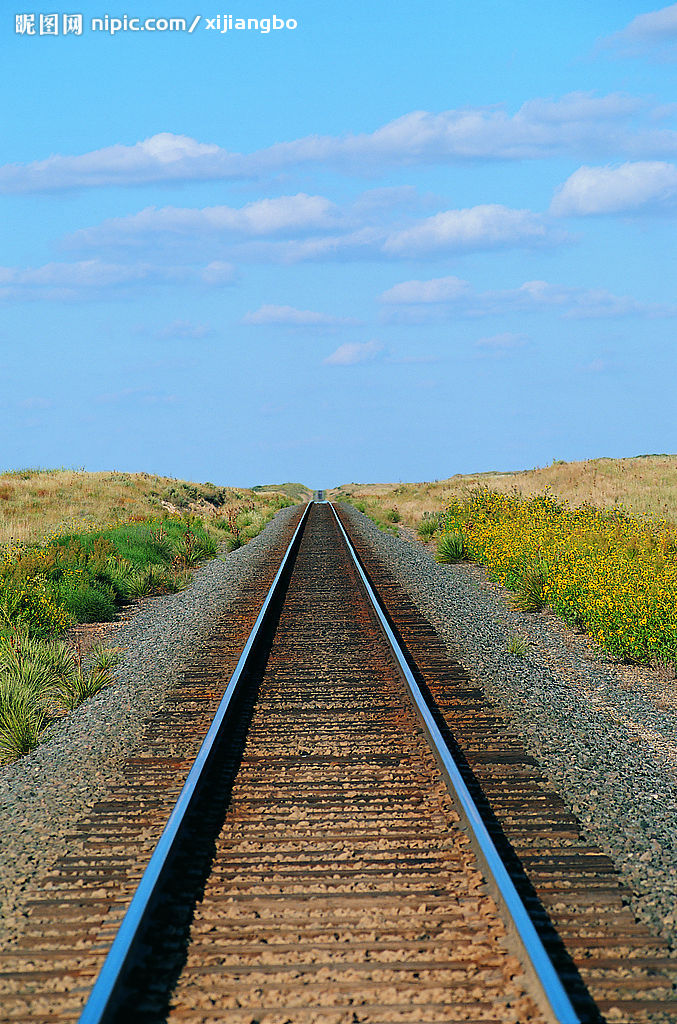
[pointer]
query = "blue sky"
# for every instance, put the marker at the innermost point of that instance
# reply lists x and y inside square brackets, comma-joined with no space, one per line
[393,242]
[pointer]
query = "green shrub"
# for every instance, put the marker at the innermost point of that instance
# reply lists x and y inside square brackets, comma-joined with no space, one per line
[36,675]
[29,675]
[183,494]
[176,496]
[427,528]
[87,603]
[104,658]
[22,718]
[451,547]
[37,663]
[385,525]
[79,685]
[518,647]
[251,523]
[192,547]
[119,577]
[393,515]
[155,577]
[138,585]
[530,587]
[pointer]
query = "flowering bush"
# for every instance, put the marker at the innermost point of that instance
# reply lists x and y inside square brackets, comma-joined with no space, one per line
[28,605]
[610,573]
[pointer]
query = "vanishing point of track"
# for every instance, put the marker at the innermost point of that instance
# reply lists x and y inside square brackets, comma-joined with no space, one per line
[322,872]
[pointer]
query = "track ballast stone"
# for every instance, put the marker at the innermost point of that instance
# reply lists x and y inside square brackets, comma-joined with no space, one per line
[44,793]
[609,751]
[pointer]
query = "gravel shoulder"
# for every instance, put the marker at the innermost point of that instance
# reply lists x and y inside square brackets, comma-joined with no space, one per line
[43,794]
[604,733]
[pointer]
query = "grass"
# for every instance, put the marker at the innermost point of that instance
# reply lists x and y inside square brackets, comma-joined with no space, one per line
[22,719]
[531,586]
[36,503]
[518,647]
[39,680]
[385,518]
[298,493]
[87,577]
[104,554]
[428,527]
[450,547]
[242,524]
[646,485]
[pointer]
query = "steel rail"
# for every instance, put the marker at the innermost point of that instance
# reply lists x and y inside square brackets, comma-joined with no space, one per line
[535,959]
[108,989]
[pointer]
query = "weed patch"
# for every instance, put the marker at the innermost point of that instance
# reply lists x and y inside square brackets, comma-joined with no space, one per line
[518,647]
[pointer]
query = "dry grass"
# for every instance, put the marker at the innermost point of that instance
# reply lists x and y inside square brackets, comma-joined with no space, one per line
[646,485]
[37,503]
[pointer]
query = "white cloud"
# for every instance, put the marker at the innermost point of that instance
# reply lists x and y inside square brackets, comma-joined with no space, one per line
[95,279]
[163,157]
[354,352]
[577,108]
[577,123]
[419,301]
[654,25]
[480,227]
[439,289]
[475,229]
[632,186]
[580,303]
[653,32]
[87,278]
[362,243]
[85,274]
[293,229]
[288,316]
[285,215]
[217,273]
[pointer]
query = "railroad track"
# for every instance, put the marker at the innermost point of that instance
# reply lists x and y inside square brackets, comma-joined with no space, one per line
[321,872]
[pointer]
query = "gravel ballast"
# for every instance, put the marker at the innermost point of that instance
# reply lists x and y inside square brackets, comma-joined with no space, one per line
[43,794]
[604,734]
